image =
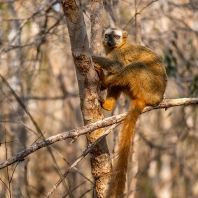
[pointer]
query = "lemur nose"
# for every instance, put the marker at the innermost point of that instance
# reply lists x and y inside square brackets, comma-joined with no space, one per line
[110,43]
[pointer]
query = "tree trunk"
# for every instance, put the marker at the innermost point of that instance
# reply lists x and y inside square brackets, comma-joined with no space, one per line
[16,65]
[89,87]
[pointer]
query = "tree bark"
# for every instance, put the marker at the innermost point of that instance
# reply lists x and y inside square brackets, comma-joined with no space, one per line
[89,88]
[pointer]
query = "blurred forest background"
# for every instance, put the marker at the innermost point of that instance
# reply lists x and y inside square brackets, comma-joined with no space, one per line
[36,61]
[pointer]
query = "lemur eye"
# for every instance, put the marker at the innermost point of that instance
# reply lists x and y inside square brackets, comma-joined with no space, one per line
[117,37]
[106,35]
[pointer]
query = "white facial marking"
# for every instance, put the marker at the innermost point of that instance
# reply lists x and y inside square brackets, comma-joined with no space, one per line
[108,31]
[115,32]
[112,37]
[118,32]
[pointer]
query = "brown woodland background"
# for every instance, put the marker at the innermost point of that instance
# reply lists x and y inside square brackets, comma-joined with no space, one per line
[36,62]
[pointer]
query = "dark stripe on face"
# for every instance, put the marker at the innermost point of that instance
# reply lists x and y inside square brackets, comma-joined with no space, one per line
[111,40]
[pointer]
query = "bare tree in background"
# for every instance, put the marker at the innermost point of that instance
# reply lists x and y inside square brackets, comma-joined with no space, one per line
[39,92]
[15,68]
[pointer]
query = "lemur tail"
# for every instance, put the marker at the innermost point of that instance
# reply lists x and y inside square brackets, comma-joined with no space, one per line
[118,178]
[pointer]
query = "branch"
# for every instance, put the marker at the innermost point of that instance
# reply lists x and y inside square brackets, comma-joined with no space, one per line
[22,105]
[137,13]
[75,133]
[84,154]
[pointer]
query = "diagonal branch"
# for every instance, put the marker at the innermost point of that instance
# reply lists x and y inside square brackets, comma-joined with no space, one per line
[75,133]
[84,154]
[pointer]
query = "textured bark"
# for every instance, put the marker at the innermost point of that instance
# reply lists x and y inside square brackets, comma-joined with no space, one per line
[88,86]
[100,161]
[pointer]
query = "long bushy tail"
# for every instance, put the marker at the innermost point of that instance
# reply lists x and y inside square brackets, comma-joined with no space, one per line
[118,178]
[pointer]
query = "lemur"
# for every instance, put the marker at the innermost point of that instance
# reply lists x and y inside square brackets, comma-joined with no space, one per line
[139,73]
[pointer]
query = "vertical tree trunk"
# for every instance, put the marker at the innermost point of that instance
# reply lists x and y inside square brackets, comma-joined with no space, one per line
[96,26]
[138,35]
[16,65]
[88,83]
[112,12]
[165,190]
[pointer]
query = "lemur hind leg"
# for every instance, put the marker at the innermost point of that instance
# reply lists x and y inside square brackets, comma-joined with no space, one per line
[112,95]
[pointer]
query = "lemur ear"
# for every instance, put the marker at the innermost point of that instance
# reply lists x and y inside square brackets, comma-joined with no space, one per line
[125,34]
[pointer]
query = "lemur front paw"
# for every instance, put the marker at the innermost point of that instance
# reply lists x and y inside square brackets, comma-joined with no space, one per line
[99,71]
[97,68]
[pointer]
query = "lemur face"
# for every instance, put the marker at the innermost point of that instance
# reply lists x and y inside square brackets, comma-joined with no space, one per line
[112,37]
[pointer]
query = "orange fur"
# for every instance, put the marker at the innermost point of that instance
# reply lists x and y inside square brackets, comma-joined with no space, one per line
[117,182]
[139,73]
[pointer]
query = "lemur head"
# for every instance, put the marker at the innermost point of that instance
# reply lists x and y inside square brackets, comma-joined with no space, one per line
[114,37]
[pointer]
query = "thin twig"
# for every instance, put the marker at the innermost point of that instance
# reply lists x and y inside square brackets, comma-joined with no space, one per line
[86,192]
[21,104]
[9,187]
[34,123]
[70,165]
[75,188]
[136,13]
[81,158]
[5,185]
